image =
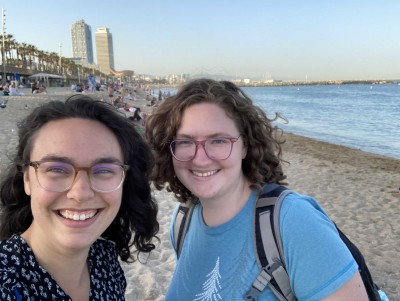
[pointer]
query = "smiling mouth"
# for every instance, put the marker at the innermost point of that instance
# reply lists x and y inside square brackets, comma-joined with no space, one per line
[205,174]
[77,216]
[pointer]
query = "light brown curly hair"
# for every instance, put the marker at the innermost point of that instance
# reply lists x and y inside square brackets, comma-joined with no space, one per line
[262,163]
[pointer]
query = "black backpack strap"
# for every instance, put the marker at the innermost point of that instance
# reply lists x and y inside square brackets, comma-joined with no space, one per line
[268,246]
[181,224]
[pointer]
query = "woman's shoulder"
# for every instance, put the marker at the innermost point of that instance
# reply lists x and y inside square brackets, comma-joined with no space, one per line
[105,267]
[13,258]
[103,247]
[297,206]
[103,253]
[13,247]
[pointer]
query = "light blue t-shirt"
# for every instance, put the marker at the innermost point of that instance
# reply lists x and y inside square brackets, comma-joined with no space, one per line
[218,263]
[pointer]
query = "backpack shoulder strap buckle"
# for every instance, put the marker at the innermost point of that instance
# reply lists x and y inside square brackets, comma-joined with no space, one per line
[270,269]
[252,295]
[260,283]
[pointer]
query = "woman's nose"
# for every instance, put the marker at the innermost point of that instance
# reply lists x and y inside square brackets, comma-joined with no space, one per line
[81,189]
[201,156]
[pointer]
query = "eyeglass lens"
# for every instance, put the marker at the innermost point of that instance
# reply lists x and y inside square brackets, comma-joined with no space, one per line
[59,176]
[218,149]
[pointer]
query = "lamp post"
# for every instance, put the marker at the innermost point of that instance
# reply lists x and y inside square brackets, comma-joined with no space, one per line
[2,49]
[79,78]
[59,61]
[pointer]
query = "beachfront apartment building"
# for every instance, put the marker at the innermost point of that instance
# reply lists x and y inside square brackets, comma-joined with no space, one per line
[81,39]
[104,50]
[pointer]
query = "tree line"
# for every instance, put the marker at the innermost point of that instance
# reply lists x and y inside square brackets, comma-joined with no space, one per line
[23,55]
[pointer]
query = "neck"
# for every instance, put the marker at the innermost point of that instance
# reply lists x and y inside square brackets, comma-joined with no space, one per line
[220,210]
[69,268]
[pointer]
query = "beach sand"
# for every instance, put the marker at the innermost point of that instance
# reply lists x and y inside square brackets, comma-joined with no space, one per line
[358,190]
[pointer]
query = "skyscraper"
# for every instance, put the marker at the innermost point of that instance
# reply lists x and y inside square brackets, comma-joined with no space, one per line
[81,38]
[104,49]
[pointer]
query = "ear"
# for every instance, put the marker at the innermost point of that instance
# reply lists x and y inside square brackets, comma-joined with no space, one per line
[27,183]
[244,151]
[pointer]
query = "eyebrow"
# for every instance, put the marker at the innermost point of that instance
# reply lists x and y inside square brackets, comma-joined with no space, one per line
[68,160]
[215,135]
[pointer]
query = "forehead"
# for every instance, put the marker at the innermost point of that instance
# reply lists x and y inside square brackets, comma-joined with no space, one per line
[206,119]
[81,140]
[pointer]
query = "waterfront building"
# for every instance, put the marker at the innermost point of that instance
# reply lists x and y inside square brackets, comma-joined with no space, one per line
[247,80]
[185,77]
[104,50]
[81,38]
[76,60]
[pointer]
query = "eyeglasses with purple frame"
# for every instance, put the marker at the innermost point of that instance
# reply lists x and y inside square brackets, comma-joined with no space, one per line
[202,143]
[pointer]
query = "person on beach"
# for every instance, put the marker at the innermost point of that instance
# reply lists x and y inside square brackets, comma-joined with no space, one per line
[33,86]
[43,90]
[75,200]
[137,117]
[213,146]
[14,90]
[6,90]
[111,93]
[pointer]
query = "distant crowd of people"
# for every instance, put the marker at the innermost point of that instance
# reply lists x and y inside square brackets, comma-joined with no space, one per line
[78,87]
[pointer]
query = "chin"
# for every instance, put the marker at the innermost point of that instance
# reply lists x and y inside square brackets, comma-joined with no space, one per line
[77,242]
[204,192]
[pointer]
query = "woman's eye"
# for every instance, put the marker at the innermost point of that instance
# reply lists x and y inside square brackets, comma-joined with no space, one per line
[218,141]
[103,171]
[57,170]
[185,142]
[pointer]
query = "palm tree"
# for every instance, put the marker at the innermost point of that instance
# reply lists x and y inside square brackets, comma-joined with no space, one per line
[46,59]
[40,54]
[9,39]
[24,51]
[53,59]
[17,47]
[32,52]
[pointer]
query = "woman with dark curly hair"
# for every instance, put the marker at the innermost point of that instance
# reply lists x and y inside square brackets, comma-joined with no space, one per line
[75,198]
[218,150]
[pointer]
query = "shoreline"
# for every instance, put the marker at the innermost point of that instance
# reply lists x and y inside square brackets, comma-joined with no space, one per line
[357,189]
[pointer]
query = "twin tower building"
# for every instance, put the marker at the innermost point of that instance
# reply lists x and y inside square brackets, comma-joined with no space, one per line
[82,47]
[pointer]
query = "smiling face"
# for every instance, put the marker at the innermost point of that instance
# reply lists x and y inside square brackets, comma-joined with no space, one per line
[206,178]
[79,142]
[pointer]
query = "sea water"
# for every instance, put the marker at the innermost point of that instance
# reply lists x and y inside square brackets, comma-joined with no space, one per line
[356,116]
[365,117]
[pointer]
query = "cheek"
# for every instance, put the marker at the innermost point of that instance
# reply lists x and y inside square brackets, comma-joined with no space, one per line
[41,204]
[179,168]
[114,200]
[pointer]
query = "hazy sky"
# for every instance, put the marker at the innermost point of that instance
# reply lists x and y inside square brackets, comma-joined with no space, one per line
[290,39]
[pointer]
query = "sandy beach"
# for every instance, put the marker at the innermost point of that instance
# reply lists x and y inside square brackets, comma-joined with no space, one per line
[358,190]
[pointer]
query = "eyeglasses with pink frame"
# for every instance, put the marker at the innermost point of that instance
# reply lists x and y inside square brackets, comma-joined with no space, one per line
[202,143]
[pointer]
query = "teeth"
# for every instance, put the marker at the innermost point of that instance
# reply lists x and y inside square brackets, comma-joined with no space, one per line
[76,216]
[206,174]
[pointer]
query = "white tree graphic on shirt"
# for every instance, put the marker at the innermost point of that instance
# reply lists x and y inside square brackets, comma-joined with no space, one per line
[211,286]
[238,275]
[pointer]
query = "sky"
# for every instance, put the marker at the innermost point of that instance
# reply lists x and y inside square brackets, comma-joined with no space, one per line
[323,40]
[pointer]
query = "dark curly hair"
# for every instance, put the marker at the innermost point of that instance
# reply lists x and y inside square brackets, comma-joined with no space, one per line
[138,211]
[262,163]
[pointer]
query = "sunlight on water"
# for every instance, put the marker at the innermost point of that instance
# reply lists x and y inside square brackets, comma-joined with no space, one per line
[354,115]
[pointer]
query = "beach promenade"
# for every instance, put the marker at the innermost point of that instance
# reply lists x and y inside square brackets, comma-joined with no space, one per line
[358,190]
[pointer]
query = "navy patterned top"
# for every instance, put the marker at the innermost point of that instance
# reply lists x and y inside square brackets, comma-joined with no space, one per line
[23,279]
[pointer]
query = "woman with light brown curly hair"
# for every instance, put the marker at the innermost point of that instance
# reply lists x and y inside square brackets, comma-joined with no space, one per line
[216,149]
